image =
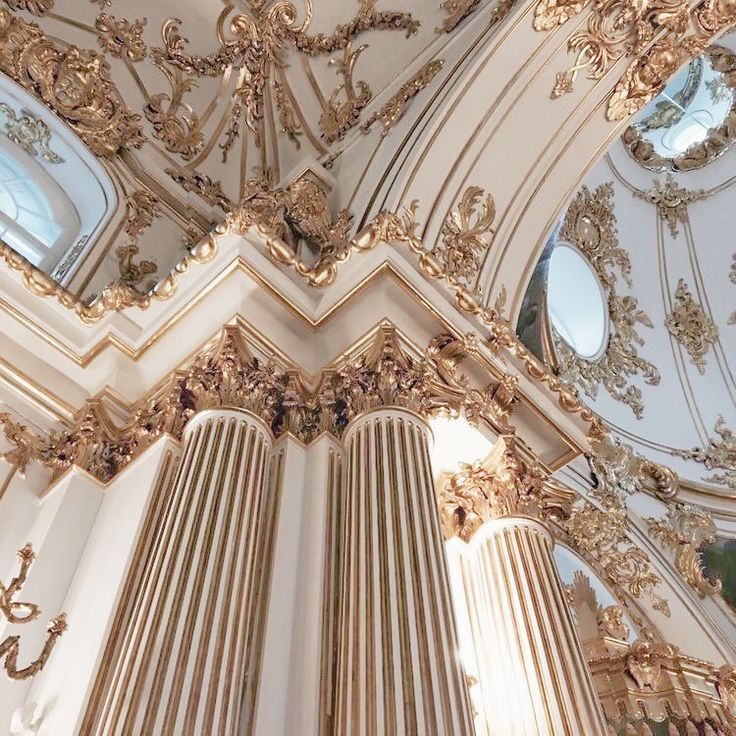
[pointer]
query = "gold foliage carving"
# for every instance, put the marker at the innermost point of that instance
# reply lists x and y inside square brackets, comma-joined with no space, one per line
[342,114]
[458,10]
[500,485]
[393,110]
[260,37]
[34,7]
[28,131]
[17,612]
[720,454]
[590,224]
[464,232]
[121,38]
[689,324]
[73,82]
[659,36]
[671,201]
[684,531]
[142,210]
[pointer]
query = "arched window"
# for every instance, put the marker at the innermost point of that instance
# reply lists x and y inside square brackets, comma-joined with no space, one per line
[55,196]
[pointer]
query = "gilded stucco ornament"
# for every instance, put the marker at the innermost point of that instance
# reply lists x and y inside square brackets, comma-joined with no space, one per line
[727,688]
[73,82]
[229,374]
[719,139]
[684,531]
[590,224]
[720,454]
[30,133]
[393,110]
[464,237]
[260,37]
[18,612]
[691,326]
[659,36]
[120,37]
[34,7]
[671,201]
[503,484]
[645,661]
[732,277]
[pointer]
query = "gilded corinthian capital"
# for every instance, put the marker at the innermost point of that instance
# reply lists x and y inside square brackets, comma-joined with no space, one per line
[501,485]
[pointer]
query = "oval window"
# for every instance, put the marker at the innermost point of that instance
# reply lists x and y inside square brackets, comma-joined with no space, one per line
[576,302]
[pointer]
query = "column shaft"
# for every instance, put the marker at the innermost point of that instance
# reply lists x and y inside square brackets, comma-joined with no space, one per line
[533,677]
[398,670]
[187,647]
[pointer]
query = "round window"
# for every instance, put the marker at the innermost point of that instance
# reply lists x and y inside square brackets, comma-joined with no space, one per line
[576,302]
[687,124]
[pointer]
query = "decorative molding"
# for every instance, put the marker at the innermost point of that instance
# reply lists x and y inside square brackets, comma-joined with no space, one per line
[671,201]
[590,224]
[684,531]
[73,82]
[143,209]
[718,455]
[17,612]
[228,374]
[394,109]
[732,277]
[28,132]
[456,11]
[718,141]
[660,37]
[689,324]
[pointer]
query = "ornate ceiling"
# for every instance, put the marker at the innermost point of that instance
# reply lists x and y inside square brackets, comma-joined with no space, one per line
[662,246]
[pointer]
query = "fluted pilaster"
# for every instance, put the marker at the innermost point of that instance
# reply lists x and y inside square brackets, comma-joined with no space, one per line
[187,643]
[398,670]
[532,675]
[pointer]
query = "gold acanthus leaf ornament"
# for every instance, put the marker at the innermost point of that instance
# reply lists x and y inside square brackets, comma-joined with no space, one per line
[229,374]
[464,237]
[73,82]
[659,36]
[590,224]
[684,531]
[120,37]
[393,110]
[34,7]
[260,37]
[17,612]
[720,454]
[691,326]
[671,201]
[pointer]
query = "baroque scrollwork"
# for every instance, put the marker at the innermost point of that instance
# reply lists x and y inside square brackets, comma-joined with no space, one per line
[464,237]
[659,37]
[73,82]
[120,37]
[18,612]
[30,133]
[720,454]
[671,201]
[684,531]
[393,110]
[590,224]
[260,38]
[691,326]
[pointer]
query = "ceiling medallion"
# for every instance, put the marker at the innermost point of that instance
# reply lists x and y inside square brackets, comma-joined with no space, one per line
[719,138]
[590,224]
[671,201]
[689,324]
[718,455]
[73,82]
[660,36]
